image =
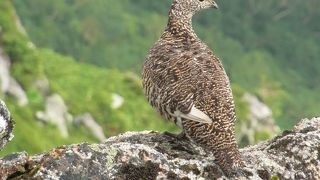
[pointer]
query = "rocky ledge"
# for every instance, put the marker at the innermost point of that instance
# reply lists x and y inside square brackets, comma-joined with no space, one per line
[151,155]
[6,125]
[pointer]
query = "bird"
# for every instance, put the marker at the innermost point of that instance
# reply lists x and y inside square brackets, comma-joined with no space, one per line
[185,81]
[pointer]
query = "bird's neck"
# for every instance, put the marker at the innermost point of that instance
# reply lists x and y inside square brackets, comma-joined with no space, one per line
[179,26]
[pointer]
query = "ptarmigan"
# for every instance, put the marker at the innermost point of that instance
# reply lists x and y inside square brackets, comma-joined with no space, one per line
[187,84]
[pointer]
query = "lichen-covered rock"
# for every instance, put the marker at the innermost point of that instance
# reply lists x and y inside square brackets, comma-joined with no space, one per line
[294,154]
[151,155]
[6,125]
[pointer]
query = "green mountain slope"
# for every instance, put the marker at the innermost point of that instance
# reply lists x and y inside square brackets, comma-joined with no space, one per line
[270,48]
[84,88]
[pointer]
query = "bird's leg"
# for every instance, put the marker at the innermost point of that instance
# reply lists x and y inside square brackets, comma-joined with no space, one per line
[179,136]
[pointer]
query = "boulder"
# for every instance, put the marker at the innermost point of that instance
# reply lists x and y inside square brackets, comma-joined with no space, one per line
[56,112]
[8,85]
[293,154]
[6,125]
[260,124]
[89,122]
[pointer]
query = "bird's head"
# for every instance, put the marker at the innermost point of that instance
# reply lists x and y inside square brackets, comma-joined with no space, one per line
[190,7]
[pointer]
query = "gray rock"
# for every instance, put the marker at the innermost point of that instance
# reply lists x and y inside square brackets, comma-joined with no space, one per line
[117,101]
[4,72]
[8,85]
[260,121]
[56,112]
[17,91]
[258,111]
[6,125]
[89,122]
[151,155]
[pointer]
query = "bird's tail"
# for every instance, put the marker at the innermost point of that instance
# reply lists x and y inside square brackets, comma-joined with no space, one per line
[220,141]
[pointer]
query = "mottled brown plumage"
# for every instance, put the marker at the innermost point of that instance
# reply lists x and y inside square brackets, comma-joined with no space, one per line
[187,84]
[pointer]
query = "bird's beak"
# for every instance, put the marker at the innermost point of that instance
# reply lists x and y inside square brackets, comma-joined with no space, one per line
[215,5]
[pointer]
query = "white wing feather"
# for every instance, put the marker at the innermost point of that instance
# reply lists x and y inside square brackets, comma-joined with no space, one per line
[194,115]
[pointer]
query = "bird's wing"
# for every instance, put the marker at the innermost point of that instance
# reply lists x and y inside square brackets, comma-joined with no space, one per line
[199,80]
[179,76]
[194,115]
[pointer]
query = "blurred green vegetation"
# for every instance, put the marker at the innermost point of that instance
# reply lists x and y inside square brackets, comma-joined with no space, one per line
[85,88]
[269,48]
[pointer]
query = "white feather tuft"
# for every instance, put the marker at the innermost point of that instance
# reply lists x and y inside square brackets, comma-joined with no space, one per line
[194,115]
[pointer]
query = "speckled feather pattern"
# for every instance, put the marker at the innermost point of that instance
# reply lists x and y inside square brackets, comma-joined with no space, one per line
[181,72]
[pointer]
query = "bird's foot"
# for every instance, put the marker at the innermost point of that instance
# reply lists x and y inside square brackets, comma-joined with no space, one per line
[179,136]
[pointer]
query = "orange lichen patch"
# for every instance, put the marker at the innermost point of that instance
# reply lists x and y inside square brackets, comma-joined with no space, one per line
[146,156]
[75,149]
[57,152]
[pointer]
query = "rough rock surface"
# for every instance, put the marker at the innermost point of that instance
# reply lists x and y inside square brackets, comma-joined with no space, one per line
[6,126]
[150,155]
